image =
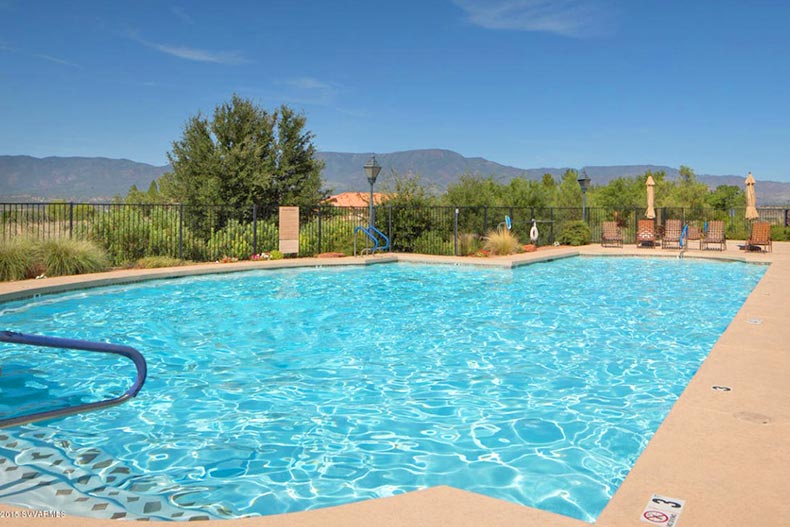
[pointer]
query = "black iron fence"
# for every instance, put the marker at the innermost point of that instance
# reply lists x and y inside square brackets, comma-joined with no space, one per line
[207,233]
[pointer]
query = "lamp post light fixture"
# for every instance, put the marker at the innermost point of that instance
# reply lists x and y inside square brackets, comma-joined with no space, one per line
[584,182]
[372,170]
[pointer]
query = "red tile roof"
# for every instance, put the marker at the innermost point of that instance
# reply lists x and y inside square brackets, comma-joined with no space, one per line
[355,199]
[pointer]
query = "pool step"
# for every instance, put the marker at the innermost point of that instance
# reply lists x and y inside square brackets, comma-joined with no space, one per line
[35,474]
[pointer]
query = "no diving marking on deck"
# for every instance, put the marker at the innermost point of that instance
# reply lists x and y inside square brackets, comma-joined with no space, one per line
[661,510]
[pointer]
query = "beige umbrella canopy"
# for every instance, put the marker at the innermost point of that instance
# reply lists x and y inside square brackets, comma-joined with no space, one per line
[751,199]
[650,213]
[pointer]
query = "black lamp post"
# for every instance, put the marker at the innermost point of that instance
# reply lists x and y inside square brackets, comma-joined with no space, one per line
[584,182]
[372,170]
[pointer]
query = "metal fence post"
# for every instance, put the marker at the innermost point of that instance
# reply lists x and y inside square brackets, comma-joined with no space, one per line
[485,220]
[389,226]
[319,229]
[71,218]
[180,231]
[455,236]
[254,228]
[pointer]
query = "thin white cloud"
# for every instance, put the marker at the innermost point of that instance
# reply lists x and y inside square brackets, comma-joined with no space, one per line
[572,18]
[202,55]
[308,91]
[57,60]
[232,58]
[182,15]
[308,83]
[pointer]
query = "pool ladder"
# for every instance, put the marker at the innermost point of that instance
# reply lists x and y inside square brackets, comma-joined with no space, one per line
[85,345]
[372,234]
[684,241]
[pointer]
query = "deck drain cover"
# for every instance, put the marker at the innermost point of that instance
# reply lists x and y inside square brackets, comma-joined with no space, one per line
[721,388]
[754,321]
[753,417]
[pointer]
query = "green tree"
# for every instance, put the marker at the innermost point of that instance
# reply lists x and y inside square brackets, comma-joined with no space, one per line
[473,191]
[620,194]
[243,156]
[136,196]
[727,197]
[407,190]
[521,192]
[297,173]
[409,203]
[688,192]
[568,193]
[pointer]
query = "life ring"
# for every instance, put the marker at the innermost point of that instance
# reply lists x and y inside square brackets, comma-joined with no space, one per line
[533,233]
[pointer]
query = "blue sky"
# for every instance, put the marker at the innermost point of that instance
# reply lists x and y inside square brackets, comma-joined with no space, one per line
[528,83]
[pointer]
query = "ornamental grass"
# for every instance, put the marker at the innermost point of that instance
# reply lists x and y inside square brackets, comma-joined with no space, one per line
[67,257]
[501,242]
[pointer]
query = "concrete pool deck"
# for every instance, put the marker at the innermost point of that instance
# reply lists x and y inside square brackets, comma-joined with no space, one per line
[725,452]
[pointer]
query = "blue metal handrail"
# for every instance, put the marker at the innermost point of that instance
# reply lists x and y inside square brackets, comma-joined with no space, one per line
[369,234]
[386,240]
[684,234]
[85,345]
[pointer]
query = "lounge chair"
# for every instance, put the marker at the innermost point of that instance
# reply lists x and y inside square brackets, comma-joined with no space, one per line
[672,231]
[611,235]
[694,234]
[714,236]
[646,234]
[760,237]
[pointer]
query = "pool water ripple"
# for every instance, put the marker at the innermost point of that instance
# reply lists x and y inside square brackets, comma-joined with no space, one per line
[278,391]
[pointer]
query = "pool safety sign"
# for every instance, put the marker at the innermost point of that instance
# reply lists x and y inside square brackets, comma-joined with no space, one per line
[664,511]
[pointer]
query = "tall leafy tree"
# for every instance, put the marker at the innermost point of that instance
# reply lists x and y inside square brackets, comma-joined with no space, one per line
[727,197]
[521,192]
[688,191]
[568,194]
[473,190]
[244,155]
[297,174]
[193,179]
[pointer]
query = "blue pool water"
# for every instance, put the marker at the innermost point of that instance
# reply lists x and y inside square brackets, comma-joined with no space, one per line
[278,391]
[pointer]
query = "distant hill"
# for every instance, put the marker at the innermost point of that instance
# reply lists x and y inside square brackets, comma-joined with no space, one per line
[438,168]
[26,178]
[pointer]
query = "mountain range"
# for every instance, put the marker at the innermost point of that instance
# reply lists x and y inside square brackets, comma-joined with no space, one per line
[26,178]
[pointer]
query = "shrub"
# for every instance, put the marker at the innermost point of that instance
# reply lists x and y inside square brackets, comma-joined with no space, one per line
[235,239]
[337,235]
[67,257]
[468,244]
[780,233]
[152,262]
[18,259]
[62,211]
[501,242]
[276,255]
[433,242]
[131,233]
[574,233]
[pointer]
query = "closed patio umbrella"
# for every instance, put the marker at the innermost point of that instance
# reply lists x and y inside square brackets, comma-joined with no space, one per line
[751,199]
[650,213]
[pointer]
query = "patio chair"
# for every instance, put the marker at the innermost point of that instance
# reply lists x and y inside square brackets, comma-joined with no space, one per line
[694,234]
[714,236]
[611,235]
[672,232]
[760,237]
[646,234]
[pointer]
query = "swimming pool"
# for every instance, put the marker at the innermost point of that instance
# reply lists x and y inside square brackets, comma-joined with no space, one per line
[276,391]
